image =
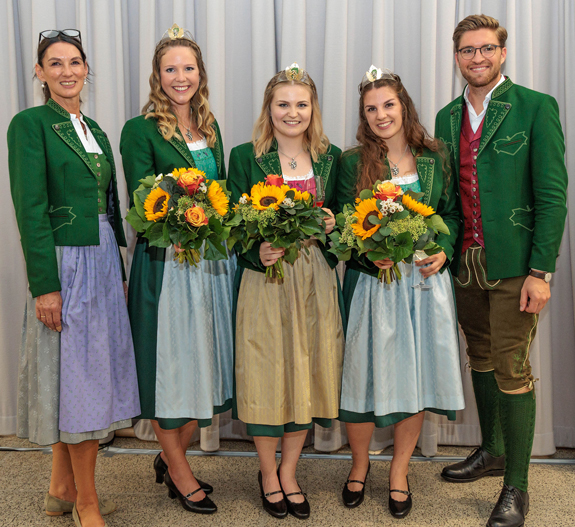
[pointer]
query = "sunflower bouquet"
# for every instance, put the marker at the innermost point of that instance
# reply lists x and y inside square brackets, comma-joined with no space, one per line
[276,213]
[387,223]
[186,209]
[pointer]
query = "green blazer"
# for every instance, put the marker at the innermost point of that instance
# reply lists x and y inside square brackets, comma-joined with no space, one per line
[522,178]
[246,170]
[55,191]
[438,189]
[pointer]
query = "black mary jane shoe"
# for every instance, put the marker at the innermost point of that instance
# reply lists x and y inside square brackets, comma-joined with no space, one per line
[354,498]
[278,509]
[400,509]
[205,506]
[301,510]
[511,509]
[160,467]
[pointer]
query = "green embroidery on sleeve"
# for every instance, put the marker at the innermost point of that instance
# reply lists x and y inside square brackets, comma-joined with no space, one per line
[510,145]
[522,217]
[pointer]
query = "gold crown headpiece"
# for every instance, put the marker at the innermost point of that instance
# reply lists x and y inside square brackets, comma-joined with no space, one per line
[177,32]
[294,73]
[375,74]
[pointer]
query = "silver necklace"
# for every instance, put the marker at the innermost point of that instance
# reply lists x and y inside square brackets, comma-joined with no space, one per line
[292,163]
[395,168]
[188,134]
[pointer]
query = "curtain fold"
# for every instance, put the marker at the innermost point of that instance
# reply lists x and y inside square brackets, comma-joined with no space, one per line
[244,42]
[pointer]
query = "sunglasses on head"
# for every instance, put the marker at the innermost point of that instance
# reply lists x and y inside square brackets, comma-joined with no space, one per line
[53,33]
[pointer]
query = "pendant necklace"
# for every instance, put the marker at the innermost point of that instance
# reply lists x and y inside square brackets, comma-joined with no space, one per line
[188,132]
[292,163]
[395,168]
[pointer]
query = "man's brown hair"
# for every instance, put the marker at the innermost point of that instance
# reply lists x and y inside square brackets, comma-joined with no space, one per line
[474,22]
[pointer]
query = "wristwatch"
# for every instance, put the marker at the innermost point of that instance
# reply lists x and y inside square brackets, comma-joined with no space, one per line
[540,274]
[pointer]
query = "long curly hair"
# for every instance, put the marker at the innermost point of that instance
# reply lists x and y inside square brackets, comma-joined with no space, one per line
[159,105]
[372,148]
[315,141]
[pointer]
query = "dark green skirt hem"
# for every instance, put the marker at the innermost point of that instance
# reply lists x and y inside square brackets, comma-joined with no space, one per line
[172,423]
[381,421]
[280,430]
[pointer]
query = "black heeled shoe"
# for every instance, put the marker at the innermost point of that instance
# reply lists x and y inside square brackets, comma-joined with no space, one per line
[278,509]
[205,506]
[400,509]
[299,510]
[160,467]
[354,498]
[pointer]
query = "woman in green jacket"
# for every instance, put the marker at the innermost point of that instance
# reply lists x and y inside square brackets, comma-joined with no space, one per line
[181,315]
[402,350]
[289,336]
[77,374]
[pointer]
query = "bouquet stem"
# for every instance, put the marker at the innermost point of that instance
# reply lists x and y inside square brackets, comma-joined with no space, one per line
[192,256]
[276,270]
[388,275]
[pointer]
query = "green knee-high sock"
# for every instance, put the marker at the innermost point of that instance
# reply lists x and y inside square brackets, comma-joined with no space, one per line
[517,412]
[486,396]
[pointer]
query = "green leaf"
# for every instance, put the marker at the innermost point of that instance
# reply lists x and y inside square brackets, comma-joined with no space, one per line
[438,225]
[400,215]
[214,250]
[415,195]
[365,194]
[156,235]
[133,218]
[222,183]
[404,239]
[384,231]
[142,193]
[291,254]
[377,237]
[147,182]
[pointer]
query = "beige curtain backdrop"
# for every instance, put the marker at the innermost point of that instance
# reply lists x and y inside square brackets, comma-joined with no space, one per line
[244,43]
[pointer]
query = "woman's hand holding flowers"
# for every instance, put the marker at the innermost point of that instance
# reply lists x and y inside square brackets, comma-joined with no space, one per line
[329,221]
[436,262]
[269,255]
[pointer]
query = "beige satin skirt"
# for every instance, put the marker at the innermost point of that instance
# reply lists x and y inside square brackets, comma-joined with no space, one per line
[289,344]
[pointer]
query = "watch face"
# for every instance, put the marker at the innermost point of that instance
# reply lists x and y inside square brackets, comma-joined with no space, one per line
[548,277]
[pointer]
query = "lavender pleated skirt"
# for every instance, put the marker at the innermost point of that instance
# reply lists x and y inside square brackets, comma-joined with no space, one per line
[81,383]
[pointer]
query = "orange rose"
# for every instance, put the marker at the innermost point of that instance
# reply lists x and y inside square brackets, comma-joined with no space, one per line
[196,217]
[276,181]
[191,180]
[387,190]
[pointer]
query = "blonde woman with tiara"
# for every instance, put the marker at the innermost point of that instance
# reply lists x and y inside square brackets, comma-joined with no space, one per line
[180,315]
[289,336]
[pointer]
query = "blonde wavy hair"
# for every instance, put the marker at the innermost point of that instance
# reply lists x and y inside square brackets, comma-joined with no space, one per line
[315,141]
[159,105]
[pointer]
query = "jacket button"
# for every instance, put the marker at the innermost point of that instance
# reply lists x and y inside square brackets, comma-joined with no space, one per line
[259,159]
[98,165]
[95,156]
[99,200]
[507,106]
[56,127]
[330,158]
[431,161]
[451,112]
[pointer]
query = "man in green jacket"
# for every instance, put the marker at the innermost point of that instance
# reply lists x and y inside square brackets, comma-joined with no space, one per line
[507,152]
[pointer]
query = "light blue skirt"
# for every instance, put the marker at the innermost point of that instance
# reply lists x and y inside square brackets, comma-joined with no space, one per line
[402,348]
[194,367]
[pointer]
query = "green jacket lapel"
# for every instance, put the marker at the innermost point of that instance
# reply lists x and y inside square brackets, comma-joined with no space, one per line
[323,167]
[495,114]
[425,167]
[455,125]
[102,139]
[68,134]
[270,162]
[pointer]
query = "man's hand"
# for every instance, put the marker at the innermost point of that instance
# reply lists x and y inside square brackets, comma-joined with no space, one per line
[436,261]
[535,293]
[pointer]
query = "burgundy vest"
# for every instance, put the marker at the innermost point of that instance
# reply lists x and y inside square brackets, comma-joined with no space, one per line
[469,182]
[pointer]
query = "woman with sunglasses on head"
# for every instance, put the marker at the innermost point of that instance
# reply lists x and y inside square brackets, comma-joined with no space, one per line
[402,350]
[77,375]
[289,336]
[181,315]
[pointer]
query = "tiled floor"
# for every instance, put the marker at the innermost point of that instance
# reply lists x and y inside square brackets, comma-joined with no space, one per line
[129,480]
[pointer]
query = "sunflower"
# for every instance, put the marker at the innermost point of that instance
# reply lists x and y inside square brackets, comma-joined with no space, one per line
[363,211]
[156,204]
[218,198]
[177,172]
[266,196]
[416,206]
[301,196]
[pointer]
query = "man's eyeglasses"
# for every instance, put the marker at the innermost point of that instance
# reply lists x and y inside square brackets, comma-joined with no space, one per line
[487,51]
[53,33]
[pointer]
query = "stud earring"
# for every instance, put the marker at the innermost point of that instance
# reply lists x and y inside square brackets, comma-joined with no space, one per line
[43,85]
[85,81]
